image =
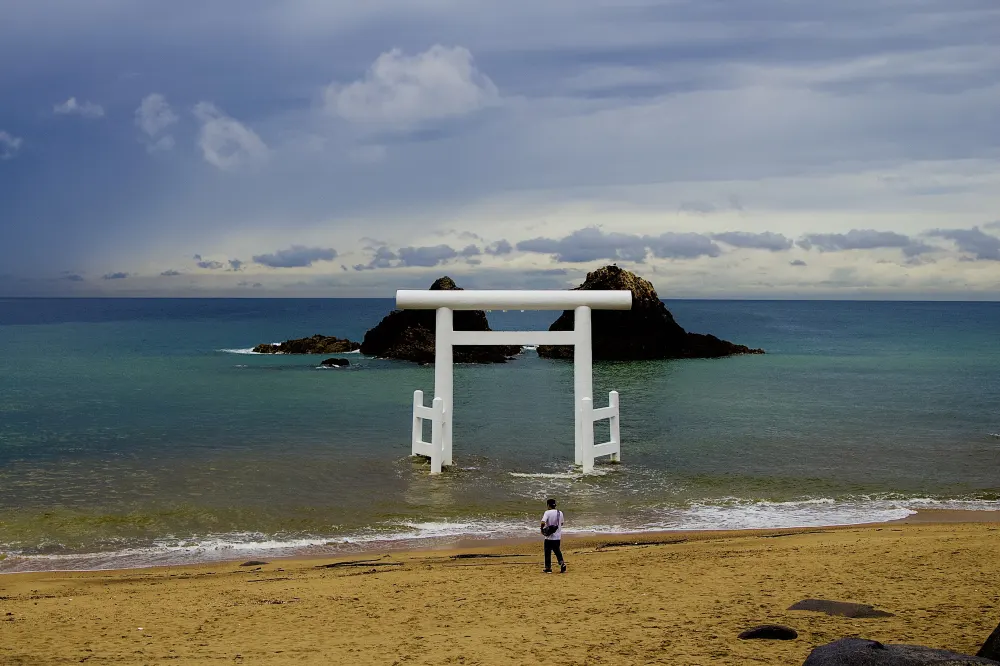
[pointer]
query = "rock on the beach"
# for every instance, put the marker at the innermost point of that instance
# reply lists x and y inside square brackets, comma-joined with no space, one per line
[337,362]
[842,608]
[860,652]
[647,331]
[770,631]
[253,563]
[408,335]
[991,648]
[317,344]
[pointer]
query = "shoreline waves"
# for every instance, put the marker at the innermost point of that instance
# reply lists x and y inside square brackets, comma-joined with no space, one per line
[404,537]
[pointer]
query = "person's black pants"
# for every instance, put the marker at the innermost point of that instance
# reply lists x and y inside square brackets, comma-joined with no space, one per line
[552,546]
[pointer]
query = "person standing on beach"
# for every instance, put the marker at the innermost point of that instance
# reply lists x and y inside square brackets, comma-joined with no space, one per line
[553,518]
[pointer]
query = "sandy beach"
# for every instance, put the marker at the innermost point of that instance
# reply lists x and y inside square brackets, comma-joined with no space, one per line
[678,598]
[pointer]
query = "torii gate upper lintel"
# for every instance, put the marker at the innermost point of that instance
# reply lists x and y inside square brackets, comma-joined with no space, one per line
[445,302]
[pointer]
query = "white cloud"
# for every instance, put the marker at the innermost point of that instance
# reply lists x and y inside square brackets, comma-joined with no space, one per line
[9,145]
[85,110]
[154,115]
[225,142]
[441,82]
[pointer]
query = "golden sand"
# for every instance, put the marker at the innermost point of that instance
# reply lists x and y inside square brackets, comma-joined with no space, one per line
[670,599]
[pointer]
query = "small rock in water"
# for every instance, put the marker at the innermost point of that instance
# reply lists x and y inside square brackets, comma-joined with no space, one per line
[336,362]
[842,608]
[770,631]
[253,563]
[860,652]
[991,648]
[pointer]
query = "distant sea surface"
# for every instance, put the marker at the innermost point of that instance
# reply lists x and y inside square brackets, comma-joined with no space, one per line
[142,432]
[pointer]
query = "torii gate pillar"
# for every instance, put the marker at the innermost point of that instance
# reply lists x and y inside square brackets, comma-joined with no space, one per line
[439,449]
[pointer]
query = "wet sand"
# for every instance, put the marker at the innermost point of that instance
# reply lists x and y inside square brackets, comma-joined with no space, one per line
[671,598]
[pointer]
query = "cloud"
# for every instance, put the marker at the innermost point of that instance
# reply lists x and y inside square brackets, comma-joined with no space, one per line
[225,142]
[85,110]
[973,241]
[697,207]
[236,265]
[252,285]
[383,259]
[470,251]
[72,277]
[153,116]
[426,256]
[297,256]
[592,244]
[992,225]
[796,262]
[114,276]
[499,248]
[170,273]
[206,263]
[863,239]
[589,244]
[9,145]
[442,82]
[762,241]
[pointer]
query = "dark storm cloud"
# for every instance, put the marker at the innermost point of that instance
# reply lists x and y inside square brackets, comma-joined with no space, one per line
[499,248]
[593,244]
[383,259]
[236,265]
[863,239]
[297,256]
[973,241]
[426,256]
[762,241]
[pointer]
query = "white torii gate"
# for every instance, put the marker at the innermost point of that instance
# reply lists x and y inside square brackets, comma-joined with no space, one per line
[445,302]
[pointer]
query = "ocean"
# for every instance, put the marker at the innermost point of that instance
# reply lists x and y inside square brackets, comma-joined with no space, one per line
[138,432]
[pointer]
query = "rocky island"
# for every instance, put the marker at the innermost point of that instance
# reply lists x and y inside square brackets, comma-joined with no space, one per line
[408,335]
[317,344]
[647,331]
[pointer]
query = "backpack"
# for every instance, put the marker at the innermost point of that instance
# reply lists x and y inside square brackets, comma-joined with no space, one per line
[549,530]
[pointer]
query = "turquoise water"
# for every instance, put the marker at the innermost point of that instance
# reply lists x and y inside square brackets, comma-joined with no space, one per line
[140,432]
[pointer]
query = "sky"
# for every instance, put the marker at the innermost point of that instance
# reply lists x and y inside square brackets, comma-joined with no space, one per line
[718,148]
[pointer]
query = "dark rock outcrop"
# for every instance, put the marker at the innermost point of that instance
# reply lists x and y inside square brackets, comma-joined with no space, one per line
[770,631]
[317,344]
[408,335]
[860,652]
[336,362]
[841,608]
[991,648]
[647,331]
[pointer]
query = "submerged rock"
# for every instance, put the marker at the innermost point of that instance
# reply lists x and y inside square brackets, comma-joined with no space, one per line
[841,608]
[647,331]
[317,344]
[336,362]
[408,335]
[860,652]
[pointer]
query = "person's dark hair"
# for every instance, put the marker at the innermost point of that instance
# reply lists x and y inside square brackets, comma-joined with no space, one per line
[551,502]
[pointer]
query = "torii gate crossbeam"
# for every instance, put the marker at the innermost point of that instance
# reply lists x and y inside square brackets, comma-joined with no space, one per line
[445,302]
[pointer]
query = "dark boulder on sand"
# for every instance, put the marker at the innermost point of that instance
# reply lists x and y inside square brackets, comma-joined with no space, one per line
[777,632]
[860,652]
[647,331]
[408,335]
[991,648]
[317,344]
[336,363]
